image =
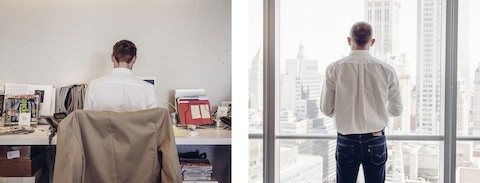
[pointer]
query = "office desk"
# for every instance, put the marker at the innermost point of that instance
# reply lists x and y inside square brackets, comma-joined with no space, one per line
[216,143]
[209,136]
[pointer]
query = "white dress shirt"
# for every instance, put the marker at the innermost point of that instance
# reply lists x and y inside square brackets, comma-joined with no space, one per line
[119,91]
[360,92]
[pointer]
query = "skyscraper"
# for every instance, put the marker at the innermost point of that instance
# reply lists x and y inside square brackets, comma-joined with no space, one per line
[429,57]
[301,86]
[476,103]
[383,15]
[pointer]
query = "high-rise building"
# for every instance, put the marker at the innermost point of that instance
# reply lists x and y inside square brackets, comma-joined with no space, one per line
[255,77]
[255,172]
[429,58]
[462,105]
[476,103]
[384,17]
[301,87]
[255,91]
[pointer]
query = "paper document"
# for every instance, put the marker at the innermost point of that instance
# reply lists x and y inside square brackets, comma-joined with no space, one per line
[195,111]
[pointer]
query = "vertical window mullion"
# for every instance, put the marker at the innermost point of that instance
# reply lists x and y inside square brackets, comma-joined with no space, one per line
[450,90]
[270,90]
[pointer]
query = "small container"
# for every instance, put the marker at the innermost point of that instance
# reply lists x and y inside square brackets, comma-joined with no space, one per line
[217,123]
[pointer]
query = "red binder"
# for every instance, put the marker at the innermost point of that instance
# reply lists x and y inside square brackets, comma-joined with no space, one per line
[194,111]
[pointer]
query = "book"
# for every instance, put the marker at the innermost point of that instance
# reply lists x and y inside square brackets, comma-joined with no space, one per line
[21,110]
[195,164]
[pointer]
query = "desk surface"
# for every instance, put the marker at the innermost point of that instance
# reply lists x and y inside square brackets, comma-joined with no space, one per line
[209,136]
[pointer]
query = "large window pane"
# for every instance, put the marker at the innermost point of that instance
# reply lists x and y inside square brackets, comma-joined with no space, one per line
[255,72]
[408,161]
[409,36]
[255,76]
[468,92]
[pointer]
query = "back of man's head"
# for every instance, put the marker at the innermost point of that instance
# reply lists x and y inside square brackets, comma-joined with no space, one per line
[124,51]
[361,33]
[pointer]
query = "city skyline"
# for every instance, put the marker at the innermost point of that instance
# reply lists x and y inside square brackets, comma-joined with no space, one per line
[421,95]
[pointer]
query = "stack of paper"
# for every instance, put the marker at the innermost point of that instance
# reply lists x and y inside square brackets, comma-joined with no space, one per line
[196,169]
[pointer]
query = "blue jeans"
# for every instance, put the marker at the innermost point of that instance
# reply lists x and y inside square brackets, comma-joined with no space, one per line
[365,149]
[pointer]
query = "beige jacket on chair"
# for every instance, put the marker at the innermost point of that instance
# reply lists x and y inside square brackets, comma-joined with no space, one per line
[111,147]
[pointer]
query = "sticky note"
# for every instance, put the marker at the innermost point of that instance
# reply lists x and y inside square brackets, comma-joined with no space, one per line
[195,111]
[204,109]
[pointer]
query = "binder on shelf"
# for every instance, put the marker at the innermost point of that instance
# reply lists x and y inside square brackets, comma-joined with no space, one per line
[194,110]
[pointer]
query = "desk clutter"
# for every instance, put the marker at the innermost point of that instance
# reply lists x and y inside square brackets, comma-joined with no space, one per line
[193,107]
[26,105]
[196,167]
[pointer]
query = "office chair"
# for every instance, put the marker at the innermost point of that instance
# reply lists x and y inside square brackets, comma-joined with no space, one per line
[116,147]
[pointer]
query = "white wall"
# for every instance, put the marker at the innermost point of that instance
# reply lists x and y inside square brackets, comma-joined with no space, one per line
[184,43]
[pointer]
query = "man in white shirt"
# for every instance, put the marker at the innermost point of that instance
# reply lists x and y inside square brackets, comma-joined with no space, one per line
[360,92]
[120,91]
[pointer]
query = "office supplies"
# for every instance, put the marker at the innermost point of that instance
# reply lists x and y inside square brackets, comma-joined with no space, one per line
[227,120]
[189,92]
[46,95]
[194,111]
[192,106]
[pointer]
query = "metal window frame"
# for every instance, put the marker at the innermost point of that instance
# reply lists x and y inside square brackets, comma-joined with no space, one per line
[271,96]
[270,89]
[450,118]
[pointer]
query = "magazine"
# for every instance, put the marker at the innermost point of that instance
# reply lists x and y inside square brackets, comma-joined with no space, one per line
[21,110]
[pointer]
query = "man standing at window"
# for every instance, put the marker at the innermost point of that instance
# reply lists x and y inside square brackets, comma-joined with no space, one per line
[360,92]
[120,91]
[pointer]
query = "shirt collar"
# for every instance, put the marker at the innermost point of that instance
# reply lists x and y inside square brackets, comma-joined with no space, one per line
[121,70]
[360,52]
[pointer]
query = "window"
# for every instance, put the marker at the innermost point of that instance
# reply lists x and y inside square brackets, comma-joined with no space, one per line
[468,92]
[414,45]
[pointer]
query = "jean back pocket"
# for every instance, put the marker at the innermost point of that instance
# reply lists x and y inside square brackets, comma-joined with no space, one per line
[344,154]
[378,153]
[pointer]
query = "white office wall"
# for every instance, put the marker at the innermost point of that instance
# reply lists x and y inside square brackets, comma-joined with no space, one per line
[183,43]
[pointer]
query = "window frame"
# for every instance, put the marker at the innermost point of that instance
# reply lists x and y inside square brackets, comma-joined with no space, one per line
[271,97]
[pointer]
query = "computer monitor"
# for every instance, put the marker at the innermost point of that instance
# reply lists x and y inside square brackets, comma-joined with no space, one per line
[149,79]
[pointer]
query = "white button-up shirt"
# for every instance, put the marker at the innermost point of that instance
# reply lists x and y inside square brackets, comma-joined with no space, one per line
[360,92]
[120,91]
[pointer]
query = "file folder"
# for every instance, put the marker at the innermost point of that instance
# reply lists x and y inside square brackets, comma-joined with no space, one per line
[194,111]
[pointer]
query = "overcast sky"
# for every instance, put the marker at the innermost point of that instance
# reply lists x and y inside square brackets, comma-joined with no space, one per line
[323,26]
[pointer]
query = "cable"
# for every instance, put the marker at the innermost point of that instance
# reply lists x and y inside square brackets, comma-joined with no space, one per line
[171,105]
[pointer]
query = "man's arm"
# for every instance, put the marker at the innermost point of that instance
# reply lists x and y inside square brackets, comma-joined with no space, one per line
[327,100]
[394,105]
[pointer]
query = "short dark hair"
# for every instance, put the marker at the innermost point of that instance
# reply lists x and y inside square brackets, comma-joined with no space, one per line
[361,33]
[124,51]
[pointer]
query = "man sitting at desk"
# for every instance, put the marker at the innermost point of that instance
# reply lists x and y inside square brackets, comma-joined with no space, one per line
[120,91]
